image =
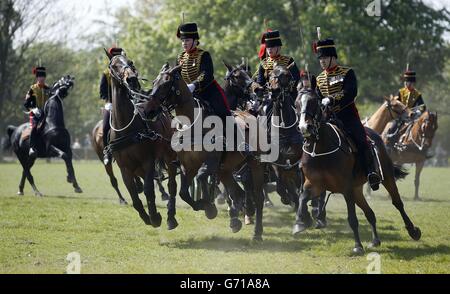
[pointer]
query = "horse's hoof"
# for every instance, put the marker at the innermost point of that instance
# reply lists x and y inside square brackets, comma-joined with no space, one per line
[358,251]
[248,220]
[146,219]
[321,224]
[415,233]
[268,204]
[78,190]
[221,199]
[375,243]
[123,202]
[19,193]
[257,238]
[156,220]
[172,224]
[417,199]
[165,197]
[211,211]
[298,228]
[38,194]
[285,201]
[235,225]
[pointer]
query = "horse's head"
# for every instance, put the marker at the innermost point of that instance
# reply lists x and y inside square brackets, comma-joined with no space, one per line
[62,86]
[395,106]
[428,126]
[123,71]
[310,111]
[281,78]
[238,79]
[168,89]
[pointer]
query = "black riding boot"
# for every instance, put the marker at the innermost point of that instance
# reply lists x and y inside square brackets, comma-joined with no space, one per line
[392,135]
[107,156]
[33,152]
[373,177]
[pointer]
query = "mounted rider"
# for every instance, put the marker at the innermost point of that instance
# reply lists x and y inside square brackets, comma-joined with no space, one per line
[337,87]
[271,45]
[35,100]
[412,99]
[197,70]
[105,94]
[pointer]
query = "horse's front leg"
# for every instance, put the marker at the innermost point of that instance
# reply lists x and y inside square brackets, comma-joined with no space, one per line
[67,157]
[419,167]
[149,191]
[303,217]
[171,204]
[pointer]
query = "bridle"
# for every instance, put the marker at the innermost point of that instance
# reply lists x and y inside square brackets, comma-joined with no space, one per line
[391,110]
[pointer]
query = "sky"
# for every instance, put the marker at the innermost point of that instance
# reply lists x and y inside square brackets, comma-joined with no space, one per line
[89,13]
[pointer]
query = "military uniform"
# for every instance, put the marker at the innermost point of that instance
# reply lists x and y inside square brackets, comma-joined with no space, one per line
[266,66]
[339,85]
[106,95]
[197,69]
[35,101]
[411,99]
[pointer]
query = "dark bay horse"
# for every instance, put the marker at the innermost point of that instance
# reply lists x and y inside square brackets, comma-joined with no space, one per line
[171,92]
[53,139]
[97,144]
[329,163]
[415,143]
[137,143]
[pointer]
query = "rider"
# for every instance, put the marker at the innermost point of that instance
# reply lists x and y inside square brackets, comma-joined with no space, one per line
[105,94]
[197,71]
[337,86]
[271,42]
[35,100]
[412,99]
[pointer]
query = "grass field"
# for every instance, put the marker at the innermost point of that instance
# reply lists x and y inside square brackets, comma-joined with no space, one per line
[37,234]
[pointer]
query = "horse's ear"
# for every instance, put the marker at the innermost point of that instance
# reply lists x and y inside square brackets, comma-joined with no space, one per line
[175,69]
[165,67]
[108,54]
[228,66]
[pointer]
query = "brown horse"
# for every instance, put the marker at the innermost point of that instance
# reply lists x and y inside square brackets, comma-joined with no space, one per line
[329,163]
[137,143]
[97,144]
[391,109]
[415,142]
[170,91]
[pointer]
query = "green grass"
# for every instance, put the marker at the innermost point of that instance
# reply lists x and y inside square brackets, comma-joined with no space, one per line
[36,234]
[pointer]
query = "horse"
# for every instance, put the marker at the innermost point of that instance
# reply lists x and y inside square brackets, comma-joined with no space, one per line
[329,163]
[137,143]
[391,109]
[53,139]
[415,143]
[288,174]
[171,92]
[97,145]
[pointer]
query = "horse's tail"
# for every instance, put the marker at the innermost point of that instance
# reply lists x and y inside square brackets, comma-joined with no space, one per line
[399,172]
[7,143]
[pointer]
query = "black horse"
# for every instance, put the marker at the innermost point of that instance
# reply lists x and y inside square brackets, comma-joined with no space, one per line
[53,139]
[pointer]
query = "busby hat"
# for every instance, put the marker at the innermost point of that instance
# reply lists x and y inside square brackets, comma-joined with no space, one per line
[188,31]
[409,76]
[325,48]
[113,51]
[272,39]
[39,71]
